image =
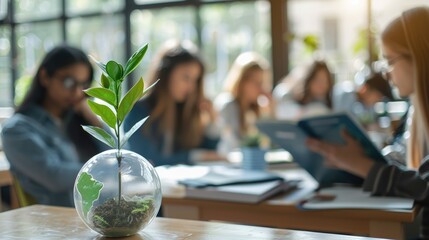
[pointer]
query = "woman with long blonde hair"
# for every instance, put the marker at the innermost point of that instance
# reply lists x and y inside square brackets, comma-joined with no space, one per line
[175,128]
[239,106]
[405,46]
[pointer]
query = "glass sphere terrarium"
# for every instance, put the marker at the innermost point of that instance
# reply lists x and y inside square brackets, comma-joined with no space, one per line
[129,193]
[117,192]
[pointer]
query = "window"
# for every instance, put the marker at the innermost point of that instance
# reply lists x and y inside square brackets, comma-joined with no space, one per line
[74,7]
[102,37]
[33,10]
[33,41]
[159,25]
[227,31]
[222,30]
[5,52]
[332,32]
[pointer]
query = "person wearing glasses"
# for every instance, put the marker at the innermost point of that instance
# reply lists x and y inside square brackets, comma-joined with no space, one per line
[405,46]
[43,140]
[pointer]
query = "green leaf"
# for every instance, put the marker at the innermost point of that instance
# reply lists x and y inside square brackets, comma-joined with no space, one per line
[114,70]
[104,81]
[133,130]
[89,189]
[104,112]
[99,64]
[149,88]
[132,96]
[135,59]
[102,94]
[101,135]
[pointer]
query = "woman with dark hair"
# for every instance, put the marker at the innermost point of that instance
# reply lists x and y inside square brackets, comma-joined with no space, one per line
[306,91]
[43,140]
[175,131]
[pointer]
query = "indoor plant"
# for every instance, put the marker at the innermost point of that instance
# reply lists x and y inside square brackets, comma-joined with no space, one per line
[253,152]
[117,192]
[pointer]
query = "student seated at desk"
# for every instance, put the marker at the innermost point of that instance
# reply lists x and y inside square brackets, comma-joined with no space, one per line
[405,46]
[175,132]
[43,140]
[360,102]
[238,106]
[304,92]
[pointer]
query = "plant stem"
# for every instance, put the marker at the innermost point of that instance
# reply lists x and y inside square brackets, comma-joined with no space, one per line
[118,154]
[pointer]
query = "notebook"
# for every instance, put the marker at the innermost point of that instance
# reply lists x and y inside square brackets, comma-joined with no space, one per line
[236,185]
[245,193]
[222,176]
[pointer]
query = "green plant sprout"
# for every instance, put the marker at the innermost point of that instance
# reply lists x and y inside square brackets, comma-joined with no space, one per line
[112,108]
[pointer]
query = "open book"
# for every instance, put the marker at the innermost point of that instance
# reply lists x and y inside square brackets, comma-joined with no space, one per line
[292,137]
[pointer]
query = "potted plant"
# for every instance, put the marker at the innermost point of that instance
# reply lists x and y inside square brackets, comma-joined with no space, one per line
[253,152]
[117,192]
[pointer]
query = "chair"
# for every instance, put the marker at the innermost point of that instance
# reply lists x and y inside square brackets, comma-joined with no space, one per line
[24,199]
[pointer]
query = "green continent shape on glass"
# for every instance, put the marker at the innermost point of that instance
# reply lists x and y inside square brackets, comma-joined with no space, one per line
[89,189]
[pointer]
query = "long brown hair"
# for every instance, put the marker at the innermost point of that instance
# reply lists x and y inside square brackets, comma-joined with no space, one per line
[181,120]
[244,65]
[299,81]
[409,36]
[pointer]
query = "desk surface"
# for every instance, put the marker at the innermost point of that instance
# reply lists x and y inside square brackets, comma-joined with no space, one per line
[281,211]
[44,222]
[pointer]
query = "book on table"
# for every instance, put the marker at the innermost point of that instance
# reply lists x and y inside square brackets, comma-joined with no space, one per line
[236,185]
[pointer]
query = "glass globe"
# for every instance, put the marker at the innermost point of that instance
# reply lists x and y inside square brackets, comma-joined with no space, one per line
[117,198]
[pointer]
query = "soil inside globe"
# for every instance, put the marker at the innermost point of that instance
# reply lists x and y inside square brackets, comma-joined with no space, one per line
[124,219]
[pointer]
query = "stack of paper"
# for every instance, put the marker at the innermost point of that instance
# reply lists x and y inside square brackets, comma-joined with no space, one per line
[227,184]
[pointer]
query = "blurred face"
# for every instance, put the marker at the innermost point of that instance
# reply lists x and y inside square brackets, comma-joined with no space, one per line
[184,80]
[370,96]
[319,86]
[65,87]
[253,85]
[400,70]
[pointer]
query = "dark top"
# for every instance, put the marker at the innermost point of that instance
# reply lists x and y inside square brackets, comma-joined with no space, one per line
[393,180]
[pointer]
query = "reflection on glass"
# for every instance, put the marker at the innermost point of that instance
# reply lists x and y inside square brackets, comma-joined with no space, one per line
[31,10]
[228,30]
[5,69]
[33,41]
[84,6]
[157,26]
[98,40]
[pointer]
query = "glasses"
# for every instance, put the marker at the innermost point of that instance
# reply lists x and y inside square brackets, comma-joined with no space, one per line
[70,83]
[385,66]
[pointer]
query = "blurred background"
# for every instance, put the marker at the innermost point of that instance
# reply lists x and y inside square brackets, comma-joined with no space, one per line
[286,32]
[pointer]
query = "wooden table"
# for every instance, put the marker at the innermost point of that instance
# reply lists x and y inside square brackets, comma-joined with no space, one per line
[44,222]
[281,212]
